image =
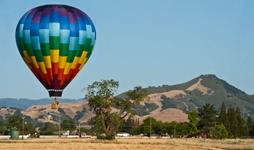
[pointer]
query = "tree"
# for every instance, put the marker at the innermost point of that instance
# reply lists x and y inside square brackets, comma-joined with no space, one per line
[232,128]
[218,132]
[237,124]
[29,129]
[3,127]
[148,126]
[183,129]
[242,129]
[100,96]
[129,124]
[223,118]
[170,128]
[48,128]
[249,125]
[68,124]
[151,126]
[132,98]
[193,118]
[207,118]
[102,100]
[15,123]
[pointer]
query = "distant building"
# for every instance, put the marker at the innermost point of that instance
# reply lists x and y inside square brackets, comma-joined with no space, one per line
[123,134]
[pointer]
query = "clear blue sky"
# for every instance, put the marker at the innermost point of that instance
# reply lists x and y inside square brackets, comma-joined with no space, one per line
[144,42]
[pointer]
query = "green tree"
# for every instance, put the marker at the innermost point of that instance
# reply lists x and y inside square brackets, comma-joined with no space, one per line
[102,100]
[151,126]
[218,132]
[148,126]
[68,124]
[15,123]
[207,118]
[193,118]
[3,127]
[136,130]
[29,129]
[237,124]
[249,125]
[160,128]
[129,124]
[100,96]
[170,128]
[48,129]
[242,129]
[132,98]
[183,129]
[223,118]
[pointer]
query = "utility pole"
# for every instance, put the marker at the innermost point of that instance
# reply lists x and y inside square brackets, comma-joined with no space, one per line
[175,131]
[58,120]
[59,125]
[23,127]
[79,130]
[150,128]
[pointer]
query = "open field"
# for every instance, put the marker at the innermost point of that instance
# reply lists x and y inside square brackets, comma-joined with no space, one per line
[126,144]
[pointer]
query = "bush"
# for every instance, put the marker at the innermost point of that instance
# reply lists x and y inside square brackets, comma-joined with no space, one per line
[49,129]
[218,132]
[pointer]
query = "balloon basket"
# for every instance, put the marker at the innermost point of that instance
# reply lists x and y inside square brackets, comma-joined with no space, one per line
[55,105]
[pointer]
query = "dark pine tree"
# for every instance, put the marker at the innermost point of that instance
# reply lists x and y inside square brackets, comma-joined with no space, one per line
[223,118]
[207,118]
[242,129]
[232,120]
[249,126]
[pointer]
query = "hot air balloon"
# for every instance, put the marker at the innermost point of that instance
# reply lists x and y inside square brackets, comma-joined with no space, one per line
[55,42]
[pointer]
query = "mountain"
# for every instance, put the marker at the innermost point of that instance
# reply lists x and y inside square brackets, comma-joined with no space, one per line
[199,91]
[165,103]
[78,111]
[24,103]
[6,112]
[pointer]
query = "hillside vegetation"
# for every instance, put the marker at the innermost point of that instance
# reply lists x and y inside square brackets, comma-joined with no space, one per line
[162,100]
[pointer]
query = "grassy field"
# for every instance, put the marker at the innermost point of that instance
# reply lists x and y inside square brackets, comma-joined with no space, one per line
[126,144]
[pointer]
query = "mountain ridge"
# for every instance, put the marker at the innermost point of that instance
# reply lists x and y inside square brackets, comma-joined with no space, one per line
[220,91]
[23,103]
[166,103]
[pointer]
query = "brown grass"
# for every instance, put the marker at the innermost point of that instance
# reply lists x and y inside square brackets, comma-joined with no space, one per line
[126,144]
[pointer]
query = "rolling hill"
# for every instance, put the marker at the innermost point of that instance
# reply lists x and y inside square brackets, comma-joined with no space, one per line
[165,103]
[24,103]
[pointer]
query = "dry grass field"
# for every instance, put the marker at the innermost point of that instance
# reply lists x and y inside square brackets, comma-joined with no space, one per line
[126,144]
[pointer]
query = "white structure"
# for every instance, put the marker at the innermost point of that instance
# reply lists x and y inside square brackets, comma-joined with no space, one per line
[122,134]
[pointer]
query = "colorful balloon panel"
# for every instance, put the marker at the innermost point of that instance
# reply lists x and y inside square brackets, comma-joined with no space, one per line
[55,41]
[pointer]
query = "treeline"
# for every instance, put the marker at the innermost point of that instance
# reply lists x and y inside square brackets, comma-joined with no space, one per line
[205,122]
[17,123]
[27,125]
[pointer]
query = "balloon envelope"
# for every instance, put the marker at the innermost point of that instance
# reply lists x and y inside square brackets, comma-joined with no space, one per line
[55,41]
